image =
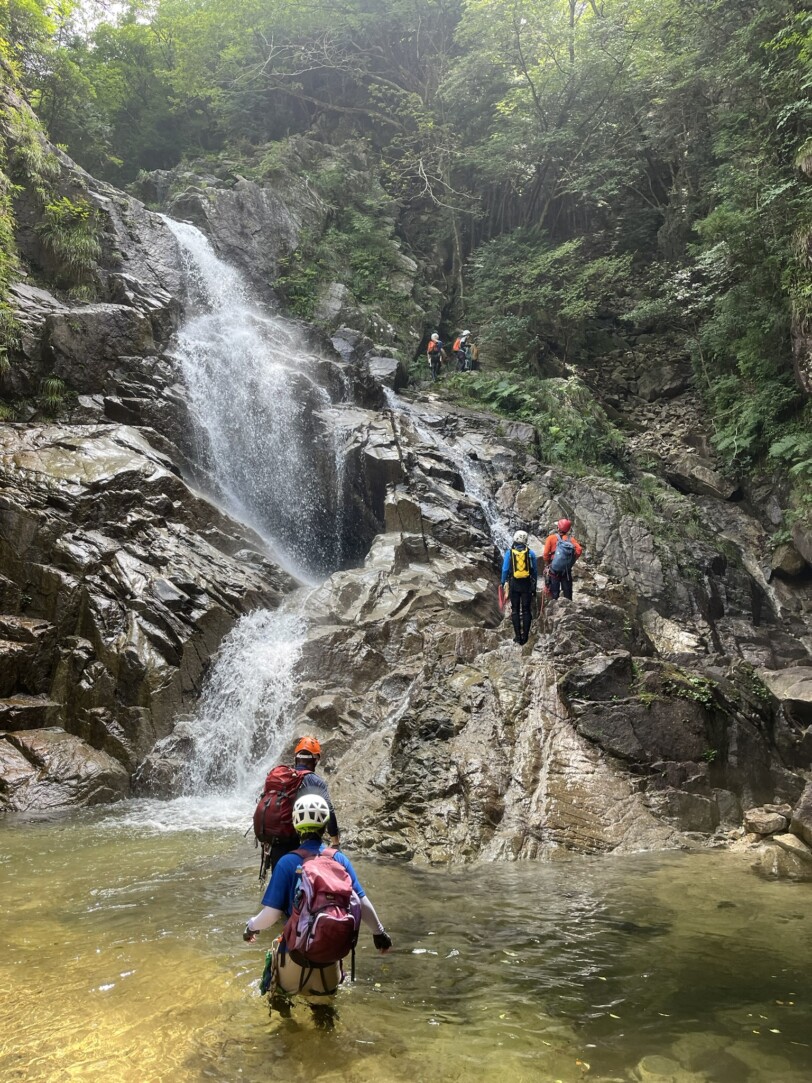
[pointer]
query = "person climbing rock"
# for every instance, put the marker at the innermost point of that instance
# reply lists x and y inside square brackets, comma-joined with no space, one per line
[434,353]
[459,351]
[520,570]
[306,960]
[273,816]
[560,552]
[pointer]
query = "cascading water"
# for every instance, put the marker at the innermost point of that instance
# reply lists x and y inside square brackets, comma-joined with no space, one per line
[241,726]
[471,473]
[254,401]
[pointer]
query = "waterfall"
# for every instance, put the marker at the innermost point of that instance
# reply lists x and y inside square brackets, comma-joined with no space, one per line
[472,474]
[241,727]
[254,398]
[254,403]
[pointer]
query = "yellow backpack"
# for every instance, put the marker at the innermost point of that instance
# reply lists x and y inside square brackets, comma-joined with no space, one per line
[520,562]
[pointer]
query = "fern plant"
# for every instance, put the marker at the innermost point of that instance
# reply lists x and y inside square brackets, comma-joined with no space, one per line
[70,232]
[53,394]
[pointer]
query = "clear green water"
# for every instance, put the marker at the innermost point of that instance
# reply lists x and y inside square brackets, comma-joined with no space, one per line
[122,960]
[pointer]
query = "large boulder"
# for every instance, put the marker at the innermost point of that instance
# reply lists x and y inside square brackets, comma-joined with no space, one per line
[801,822]
[48,768]
[127,582]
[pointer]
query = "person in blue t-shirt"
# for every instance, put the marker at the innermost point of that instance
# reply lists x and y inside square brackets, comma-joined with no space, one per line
[317,985]
[306,758]
[521,570]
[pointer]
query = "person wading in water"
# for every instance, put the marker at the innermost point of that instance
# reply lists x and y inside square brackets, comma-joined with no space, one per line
[316,889]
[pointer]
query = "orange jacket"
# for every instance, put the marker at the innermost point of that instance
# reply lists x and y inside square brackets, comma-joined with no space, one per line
[552,542]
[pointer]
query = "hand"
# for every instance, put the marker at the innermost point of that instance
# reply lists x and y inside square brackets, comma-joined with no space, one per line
[382,941]
[249,935]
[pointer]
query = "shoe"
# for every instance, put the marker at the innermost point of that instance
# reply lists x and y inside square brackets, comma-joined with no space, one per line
[280,1003]
[324,1016]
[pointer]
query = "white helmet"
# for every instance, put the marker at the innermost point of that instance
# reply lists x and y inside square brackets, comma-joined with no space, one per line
[520,537]
[310,812]
[465,334]
[435,337]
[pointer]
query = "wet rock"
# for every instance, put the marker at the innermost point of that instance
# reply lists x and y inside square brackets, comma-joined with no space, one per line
[760,822]
[250,226]
[601,678]
[388,371]
[663,381]
[802,538]
[774,862]
[123,605]
[48,768]
[801,821]
[693,474]
[689,811]
[672,639]
[792,687]
[22,712]
[793,845]
[786,560]
[658,1069]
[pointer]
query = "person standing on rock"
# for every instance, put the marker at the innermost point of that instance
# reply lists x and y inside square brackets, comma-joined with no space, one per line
[520,569]
[273,818]
[301,878]
[434,354]
[560,552]
[459,351]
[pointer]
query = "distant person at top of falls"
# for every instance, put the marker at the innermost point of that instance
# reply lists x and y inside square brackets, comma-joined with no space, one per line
[519,568]
[560,552]
[460,351]
[306,959]
[434,354]
[273,816]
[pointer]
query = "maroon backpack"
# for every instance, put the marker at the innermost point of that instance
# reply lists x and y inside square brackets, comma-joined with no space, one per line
[323,925]
[273,816]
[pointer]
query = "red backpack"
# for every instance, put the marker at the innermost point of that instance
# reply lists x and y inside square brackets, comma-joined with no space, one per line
[323,925]
[273,816]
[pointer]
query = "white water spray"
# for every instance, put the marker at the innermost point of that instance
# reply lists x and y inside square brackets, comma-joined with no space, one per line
[471,472]
[241,727]
[254,402]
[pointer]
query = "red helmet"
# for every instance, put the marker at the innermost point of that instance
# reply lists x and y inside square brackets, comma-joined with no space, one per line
[307,746]
[564,526]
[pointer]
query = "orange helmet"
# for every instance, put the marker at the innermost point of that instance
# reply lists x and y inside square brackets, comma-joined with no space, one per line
[564,526]
[307,746]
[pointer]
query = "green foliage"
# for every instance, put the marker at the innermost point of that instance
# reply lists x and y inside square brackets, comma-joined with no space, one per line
[357,247]
[530,296]
[53,395]
[32,160]
[572,427]
[795,447]
[70,232]
[692,687]
[567,168]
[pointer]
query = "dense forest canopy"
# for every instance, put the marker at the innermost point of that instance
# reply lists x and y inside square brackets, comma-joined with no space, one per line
[564,166]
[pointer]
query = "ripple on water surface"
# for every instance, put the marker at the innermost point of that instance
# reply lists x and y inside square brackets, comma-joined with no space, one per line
[122,961]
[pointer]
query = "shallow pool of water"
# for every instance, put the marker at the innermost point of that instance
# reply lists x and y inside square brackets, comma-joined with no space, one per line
[122,960]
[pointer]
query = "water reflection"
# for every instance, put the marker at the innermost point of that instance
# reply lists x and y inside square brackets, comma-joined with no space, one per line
[122,961]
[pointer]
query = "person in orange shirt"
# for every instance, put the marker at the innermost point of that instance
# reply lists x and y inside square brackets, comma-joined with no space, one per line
[560,552]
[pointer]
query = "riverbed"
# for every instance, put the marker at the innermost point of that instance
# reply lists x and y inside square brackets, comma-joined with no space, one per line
[122,960]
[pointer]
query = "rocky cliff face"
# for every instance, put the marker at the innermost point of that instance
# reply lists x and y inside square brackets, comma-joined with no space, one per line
[661,701]
[673,691]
